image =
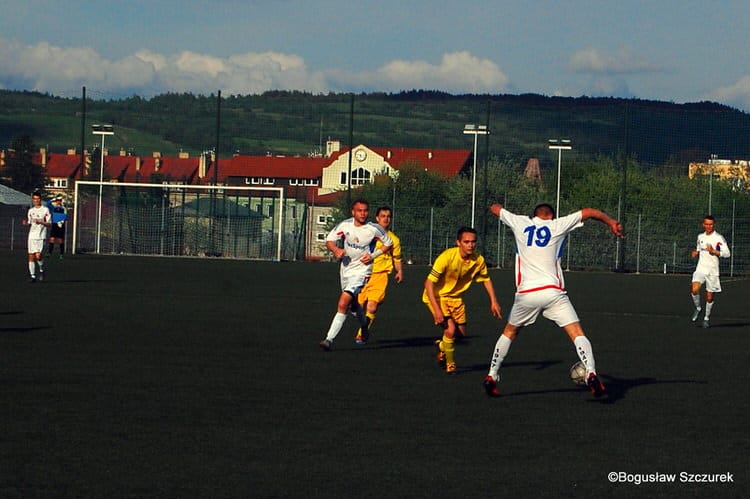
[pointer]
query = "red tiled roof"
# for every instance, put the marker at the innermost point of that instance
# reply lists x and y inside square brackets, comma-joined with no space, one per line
[116,166]
[268,166]
[447,162]
[59,165]
[173,169]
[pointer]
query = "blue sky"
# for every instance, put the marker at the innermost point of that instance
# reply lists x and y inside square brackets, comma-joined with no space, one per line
[677,51]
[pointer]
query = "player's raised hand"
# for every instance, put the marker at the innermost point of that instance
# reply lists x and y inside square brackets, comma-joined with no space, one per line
[616,228]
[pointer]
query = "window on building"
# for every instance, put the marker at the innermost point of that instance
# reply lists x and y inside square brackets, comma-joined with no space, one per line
[360,176]
[294,212]
[342,178]
[320,236]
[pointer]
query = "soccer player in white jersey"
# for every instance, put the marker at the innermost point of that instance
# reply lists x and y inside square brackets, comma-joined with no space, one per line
[710,246]
[38,219]
[359,238]
[540,287]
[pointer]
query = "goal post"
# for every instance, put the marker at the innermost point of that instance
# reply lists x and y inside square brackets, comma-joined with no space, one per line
[179,220]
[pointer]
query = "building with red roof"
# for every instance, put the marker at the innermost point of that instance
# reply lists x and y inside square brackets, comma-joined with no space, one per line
[314,183]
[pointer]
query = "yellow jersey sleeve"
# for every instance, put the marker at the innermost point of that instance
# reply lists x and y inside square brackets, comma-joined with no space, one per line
[384,262]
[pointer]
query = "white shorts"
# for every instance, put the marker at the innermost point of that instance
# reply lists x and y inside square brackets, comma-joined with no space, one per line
[713,284]
[36,246]
[552,303]
[353,283]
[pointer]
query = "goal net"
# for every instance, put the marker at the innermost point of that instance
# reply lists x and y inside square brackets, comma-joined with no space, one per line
[178,220]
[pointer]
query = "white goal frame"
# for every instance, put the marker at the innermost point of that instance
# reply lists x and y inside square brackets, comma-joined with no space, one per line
[219,189]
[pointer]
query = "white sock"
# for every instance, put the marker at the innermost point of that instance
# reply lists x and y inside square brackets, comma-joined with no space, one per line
[696,300]
[32,269]
[336,324]
[709,306]
[41,265]
[585,353]
[501,350]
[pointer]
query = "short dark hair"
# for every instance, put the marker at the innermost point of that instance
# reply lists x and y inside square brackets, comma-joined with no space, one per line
[382,208]
[36,194]
[709,217]
[544,208]
[464,230]
[359,201]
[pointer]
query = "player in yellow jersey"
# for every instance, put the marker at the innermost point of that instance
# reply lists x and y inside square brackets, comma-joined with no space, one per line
[373,294]
[451,275]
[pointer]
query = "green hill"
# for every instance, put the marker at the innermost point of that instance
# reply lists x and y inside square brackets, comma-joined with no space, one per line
[298,123]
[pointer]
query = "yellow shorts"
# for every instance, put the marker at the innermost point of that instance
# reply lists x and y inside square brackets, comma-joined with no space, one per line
[453,308]
[374,290]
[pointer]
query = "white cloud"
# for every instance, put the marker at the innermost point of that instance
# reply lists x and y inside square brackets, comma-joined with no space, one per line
[46,68]
[623,61]
[737,95]
[63,70]
[458,72]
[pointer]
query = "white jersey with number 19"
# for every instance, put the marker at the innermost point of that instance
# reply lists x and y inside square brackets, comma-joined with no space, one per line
[539,246]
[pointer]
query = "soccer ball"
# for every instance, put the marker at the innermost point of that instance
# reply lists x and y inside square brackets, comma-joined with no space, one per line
[578,374]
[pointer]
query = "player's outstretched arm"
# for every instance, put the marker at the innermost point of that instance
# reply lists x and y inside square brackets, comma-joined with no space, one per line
[496,208]
[614,225]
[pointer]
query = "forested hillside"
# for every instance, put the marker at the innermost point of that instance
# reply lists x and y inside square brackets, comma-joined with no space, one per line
[297,123]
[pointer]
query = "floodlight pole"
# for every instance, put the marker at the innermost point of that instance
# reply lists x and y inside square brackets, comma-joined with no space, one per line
[560,145]
[100,130]
[475,130]
[711,163]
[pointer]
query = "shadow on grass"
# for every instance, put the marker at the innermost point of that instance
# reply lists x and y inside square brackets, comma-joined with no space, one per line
[537,365]
[413,342]
[617,388]
[729,325]
[22,329]
[79,281]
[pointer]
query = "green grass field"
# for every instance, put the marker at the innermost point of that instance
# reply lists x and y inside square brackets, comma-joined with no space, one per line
[147,377]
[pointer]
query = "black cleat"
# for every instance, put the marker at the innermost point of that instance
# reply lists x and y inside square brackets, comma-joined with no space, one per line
[326,345]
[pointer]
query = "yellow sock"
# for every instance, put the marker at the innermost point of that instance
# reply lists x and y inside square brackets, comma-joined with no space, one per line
[447,345]
[370,316]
